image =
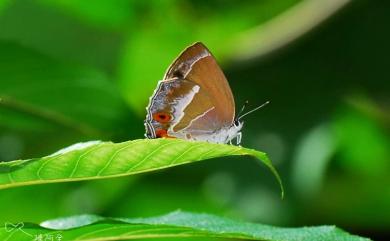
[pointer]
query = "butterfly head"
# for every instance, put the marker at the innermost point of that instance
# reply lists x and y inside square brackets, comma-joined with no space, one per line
[237,123]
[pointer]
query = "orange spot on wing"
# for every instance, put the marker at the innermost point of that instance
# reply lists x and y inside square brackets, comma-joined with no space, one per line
[161,133]
[162,117]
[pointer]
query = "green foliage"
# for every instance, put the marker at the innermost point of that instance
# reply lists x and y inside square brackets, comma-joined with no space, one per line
[97,160]
[109,14]
[45,93]
[363,143]
[176,224]
[72,71]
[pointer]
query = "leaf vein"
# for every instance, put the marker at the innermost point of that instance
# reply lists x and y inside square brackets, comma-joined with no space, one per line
[11,179]
[184,152]
[43,165]
[81,237]
[114,155]
[81,157]
[154,229]
[201,156]
[150,155]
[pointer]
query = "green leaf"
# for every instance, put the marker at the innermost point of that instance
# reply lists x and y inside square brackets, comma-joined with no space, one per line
[176,224]
[38,93]
[110,14]
[97,160]
[72,40]
[3,4]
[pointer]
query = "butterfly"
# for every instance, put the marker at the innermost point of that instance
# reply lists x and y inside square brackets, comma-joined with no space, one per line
[193,101]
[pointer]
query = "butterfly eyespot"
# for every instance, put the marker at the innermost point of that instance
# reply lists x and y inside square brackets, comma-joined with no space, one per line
[162,117]
[161,133]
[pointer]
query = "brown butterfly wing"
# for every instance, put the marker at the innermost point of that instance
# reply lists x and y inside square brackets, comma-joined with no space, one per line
[194,98]
[167,106]
[198,65]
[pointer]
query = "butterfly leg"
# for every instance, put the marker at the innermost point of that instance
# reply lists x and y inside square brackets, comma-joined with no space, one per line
[238,138]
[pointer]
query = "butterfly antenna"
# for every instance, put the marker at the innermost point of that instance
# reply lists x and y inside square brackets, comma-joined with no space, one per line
[258,107]
[243,107]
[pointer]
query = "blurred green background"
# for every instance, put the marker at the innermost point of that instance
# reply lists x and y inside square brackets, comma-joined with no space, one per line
[72,71]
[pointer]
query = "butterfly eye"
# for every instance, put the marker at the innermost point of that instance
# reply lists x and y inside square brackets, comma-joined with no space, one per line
[162,117]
